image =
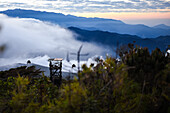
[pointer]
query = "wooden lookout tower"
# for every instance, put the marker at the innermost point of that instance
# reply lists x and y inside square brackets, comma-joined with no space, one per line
[55,66]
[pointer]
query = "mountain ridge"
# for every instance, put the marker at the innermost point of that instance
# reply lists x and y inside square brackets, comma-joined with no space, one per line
[32,12]
[111,39]
[44,69]
[162,26]
[110,25]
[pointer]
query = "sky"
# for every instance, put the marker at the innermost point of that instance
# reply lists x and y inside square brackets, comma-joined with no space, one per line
[148,12]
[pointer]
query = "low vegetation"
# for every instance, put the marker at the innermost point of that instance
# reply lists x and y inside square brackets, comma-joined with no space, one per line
[138,83]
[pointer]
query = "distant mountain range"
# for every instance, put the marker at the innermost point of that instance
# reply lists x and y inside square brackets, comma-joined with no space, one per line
[109,25]
[162,26]
[111,39]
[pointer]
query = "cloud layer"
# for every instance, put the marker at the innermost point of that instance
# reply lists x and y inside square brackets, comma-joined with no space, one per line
[32,39]
[69,6]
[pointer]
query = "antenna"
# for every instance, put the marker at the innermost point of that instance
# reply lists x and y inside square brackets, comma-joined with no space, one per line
[78,57]
[117,49]
[67,58]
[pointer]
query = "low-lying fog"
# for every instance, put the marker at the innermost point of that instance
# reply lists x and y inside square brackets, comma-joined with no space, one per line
[38,41]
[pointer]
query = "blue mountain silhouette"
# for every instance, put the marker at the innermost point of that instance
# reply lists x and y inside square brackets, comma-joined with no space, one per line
[110,25]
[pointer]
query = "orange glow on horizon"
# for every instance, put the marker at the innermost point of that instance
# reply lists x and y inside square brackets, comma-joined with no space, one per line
[127,16]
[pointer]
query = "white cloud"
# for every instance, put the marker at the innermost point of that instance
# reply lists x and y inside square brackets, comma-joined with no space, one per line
[68,6]
[29,38]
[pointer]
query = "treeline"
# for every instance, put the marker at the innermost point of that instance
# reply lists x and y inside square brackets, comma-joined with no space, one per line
[137,83]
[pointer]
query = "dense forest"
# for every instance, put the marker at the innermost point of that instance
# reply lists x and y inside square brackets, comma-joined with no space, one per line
[137,83]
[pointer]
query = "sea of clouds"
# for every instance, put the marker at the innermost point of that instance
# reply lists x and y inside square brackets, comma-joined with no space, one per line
[38,41]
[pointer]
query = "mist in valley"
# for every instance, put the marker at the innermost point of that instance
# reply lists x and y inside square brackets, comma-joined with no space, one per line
[38,41]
